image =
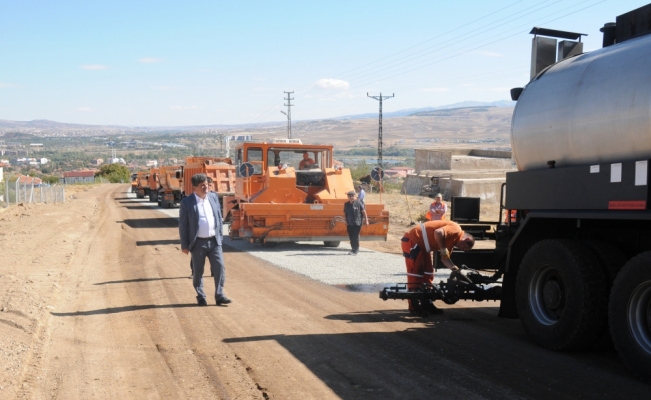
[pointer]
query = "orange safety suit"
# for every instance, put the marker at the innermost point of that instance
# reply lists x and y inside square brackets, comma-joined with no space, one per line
[417,258]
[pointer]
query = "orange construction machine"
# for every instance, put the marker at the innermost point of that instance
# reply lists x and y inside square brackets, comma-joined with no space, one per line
[169,191]
[134,183]
[220,170]
[152,181]
[142,184]
[287,191]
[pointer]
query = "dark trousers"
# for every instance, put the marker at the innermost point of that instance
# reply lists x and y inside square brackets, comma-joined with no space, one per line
[353,235]
[208,248]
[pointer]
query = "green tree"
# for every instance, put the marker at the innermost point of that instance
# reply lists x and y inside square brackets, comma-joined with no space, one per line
[115,173]
[360,170]
[51,179]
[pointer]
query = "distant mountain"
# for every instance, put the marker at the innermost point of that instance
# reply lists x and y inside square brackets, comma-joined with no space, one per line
[43,127]
[419,111]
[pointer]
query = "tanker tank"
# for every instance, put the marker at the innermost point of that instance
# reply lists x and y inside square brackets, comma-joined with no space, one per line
[589,109]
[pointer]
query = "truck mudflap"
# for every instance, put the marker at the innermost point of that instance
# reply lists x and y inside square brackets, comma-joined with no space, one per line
[471,286]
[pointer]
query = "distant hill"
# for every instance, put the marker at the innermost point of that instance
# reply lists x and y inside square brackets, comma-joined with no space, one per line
[44,127]
[416,111]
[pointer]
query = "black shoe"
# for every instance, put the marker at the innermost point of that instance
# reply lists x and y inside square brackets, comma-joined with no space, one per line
[432,309]
[415,308]
[223,300]
[201,301]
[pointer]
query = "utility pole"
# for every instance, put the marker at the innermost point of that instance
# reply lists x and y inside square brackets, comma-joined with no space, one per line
[379,136]
[289,114]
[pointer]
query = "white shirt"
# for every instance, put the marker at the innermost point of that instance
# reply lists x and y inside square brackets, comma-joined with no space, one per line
[206,218]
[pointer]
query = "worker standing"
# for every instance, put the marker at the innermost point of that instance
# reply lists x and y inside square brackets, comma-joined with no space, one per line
[353,211]
[437,209]
[361,194]
[418,243]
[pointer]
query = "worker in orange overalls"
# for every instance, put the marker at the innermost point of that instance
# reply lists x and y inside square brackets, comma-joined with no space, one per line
[418,243]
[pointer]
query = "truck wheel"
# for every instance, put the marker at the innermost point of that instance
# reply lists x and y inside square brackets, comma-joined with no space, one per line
[612,260]
[611,257]
[561,295]
[629,313]
[331,243]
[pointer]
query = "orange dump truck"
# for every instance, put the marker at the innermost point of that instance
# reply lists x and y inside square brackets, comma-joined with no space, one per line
[291,197]
[142,184]
[152,181]
[220,170]
[169,191]
[134,183]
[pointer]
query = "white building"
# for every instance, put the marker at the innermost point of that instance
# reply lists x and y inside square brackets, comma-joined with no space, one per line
[44,161]
[116,161]
[152,163]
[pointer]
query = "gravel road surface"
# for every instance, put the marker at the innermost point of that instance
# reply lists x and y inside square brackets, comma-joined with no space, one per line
[97,303]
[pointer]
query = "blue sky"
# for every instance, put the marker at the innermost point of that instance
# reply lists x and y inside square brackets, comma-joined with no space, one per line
[172,63]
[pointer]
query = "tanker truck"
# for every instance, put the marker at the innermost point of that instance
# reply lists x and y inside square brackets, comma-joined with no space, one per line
[574,265]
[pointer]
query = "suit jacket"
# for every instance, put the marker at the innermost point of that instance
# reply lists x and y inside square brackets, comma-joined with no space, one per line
[189,220]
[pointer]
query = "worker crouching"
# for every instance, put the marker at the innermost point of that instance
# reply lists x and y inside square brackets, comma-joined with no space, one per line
[418,243]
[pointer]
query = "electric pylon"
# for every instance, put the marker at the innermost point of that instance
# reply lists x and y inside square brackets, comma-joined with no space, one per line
[379,136]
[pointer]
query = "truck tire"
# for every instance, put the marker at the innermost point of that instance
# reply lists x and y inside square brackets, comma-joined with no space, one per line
[629,312]
[561,295]
[331,243]
[612,260]
[611,257]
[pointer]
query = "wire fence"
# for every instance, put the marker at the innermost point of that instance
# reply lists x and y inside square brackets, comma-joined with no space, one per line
[17,192]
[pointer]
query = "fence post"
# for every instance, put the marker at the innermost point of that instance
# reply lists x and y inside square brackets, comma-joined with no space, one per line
[63,194]
[7,193]
[31,192]
[17,190]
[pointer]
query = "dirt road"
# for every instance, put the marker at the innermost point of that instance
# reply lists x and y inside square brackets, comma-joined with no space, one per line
[97,303]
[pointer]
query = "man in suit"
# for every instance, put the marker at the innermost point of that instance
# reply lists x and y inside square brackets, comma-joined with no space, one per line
[200,229]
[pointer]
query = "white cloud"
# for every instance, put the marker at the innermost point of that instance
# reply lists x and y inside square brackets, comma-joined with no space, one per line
[489,53]
[181,108]
[149,60]
[435,90]
[83,109]
[332,84]
[93,67]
